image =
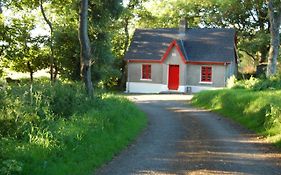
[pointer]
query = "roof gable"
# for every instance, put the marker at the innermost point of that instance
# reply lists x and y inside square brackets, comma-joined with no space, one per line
[172,45]
[175,45]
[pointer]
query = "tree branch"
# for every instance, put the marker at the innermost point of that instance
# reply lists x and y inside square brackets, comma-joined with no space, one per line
[253,16]
[45,17]
[51,40]
[249,54]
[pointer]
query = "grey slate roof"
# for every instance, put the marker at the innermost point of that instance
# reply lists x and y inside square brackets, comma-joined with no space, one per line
[202,45]
[150,44]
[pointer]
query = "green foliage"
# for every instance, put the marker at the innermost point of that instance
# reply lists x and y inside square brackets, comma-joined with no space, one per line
[10,167]
[167,13]
[1,72]
[258,84]
[246,84]
[258,110]
[67,53]
[273,119]
[23,52]
[53,129]
[26,49]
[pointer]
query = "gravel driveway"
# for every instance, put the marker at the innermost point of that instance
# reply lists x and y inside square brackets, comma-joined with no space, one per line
[181,139]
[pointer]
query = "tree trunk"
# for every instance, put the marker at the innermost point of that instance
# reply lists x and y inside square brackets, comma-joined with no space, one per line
[30,71]
[274,8]
[1,11]
[52,62]
[263,52]
[123,64]
[85,52]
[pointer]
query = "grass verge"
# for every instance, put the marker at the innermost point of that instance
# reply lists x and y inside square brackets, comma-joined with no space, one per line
[259,111]
[52,131]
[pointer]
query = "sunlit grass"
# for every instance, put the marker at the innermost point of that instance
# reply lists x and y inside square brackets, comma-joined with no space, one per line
[19,75]
[257,110]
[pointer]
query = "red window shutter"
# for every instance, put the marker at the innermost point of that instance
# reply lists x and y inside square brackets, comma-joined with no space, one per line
[146,71]
[206,74]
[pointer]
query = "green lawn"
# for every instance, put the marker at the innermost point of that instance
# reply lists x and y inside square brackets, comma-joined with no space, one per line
[257,110]
[58,130]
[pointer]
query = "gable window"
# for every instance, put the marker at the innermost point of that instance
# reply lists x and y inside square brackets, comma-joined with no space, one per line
[146,71]
[206,74]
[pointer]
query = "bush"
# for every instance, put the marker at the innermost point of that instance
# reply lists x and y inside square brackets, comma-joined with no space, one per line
[273,118]
[246,84]
[259,83]
[43,127]
[10,167]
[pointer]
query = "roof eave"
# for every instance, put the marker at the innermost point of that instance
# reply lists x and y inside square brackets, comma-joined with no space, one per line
[207,63]
[143,61]
[186,62]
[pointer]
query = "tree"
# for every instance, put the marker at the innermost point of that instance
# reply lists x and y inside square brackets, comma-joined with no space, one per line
[52,59]
[67,53]
[274,11]
[1,31]
[104,17]
[85,53]
[32,5]
[167,13]
[121,36]
[250,20]
[23,52]
[63,16]
[1,39]
[1,7]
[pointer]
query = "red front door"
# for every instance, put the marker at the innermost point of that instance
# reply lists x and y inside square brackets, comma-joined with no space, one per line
[173,81]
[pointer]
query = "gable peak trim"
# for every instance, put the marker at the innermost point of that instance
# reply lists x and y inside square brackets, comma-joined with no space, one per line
[171,46]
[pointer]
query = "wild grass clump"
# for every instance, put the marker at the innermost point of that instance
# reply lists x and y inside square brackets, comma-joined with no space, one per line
[257,110]
[57,129]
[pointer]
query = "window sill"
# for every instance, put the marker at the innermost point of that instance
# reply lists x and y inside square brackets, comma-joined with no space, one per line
[205,82]
[146,79]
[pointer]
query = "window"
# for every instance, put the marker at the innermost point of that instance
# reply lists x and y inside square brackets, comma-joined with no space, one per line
[146,71]
[206,74]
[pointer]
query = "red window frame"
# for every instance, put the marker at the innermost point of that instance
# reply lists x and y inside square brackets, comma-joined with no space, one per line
[206,73]
[146,71]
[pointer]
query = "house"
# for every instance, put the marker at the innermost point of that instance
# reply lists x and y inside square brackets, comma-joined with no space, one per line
[180,60]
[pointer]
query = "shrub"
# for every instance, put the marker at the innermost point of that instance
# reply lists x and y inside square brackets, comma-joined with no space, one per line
[258,83]
[231,82]
[271,83]
[25,106]
[246,84]
[11,167]
[273,118]
[44,126]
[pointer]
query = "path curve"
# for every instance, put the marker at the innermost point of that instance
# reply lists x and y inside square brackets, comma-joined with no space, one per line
[181,139]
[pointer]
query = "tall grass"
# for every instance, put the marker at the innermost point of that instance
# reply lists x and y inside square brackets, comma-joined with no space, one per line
[57,129]
[257,110]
